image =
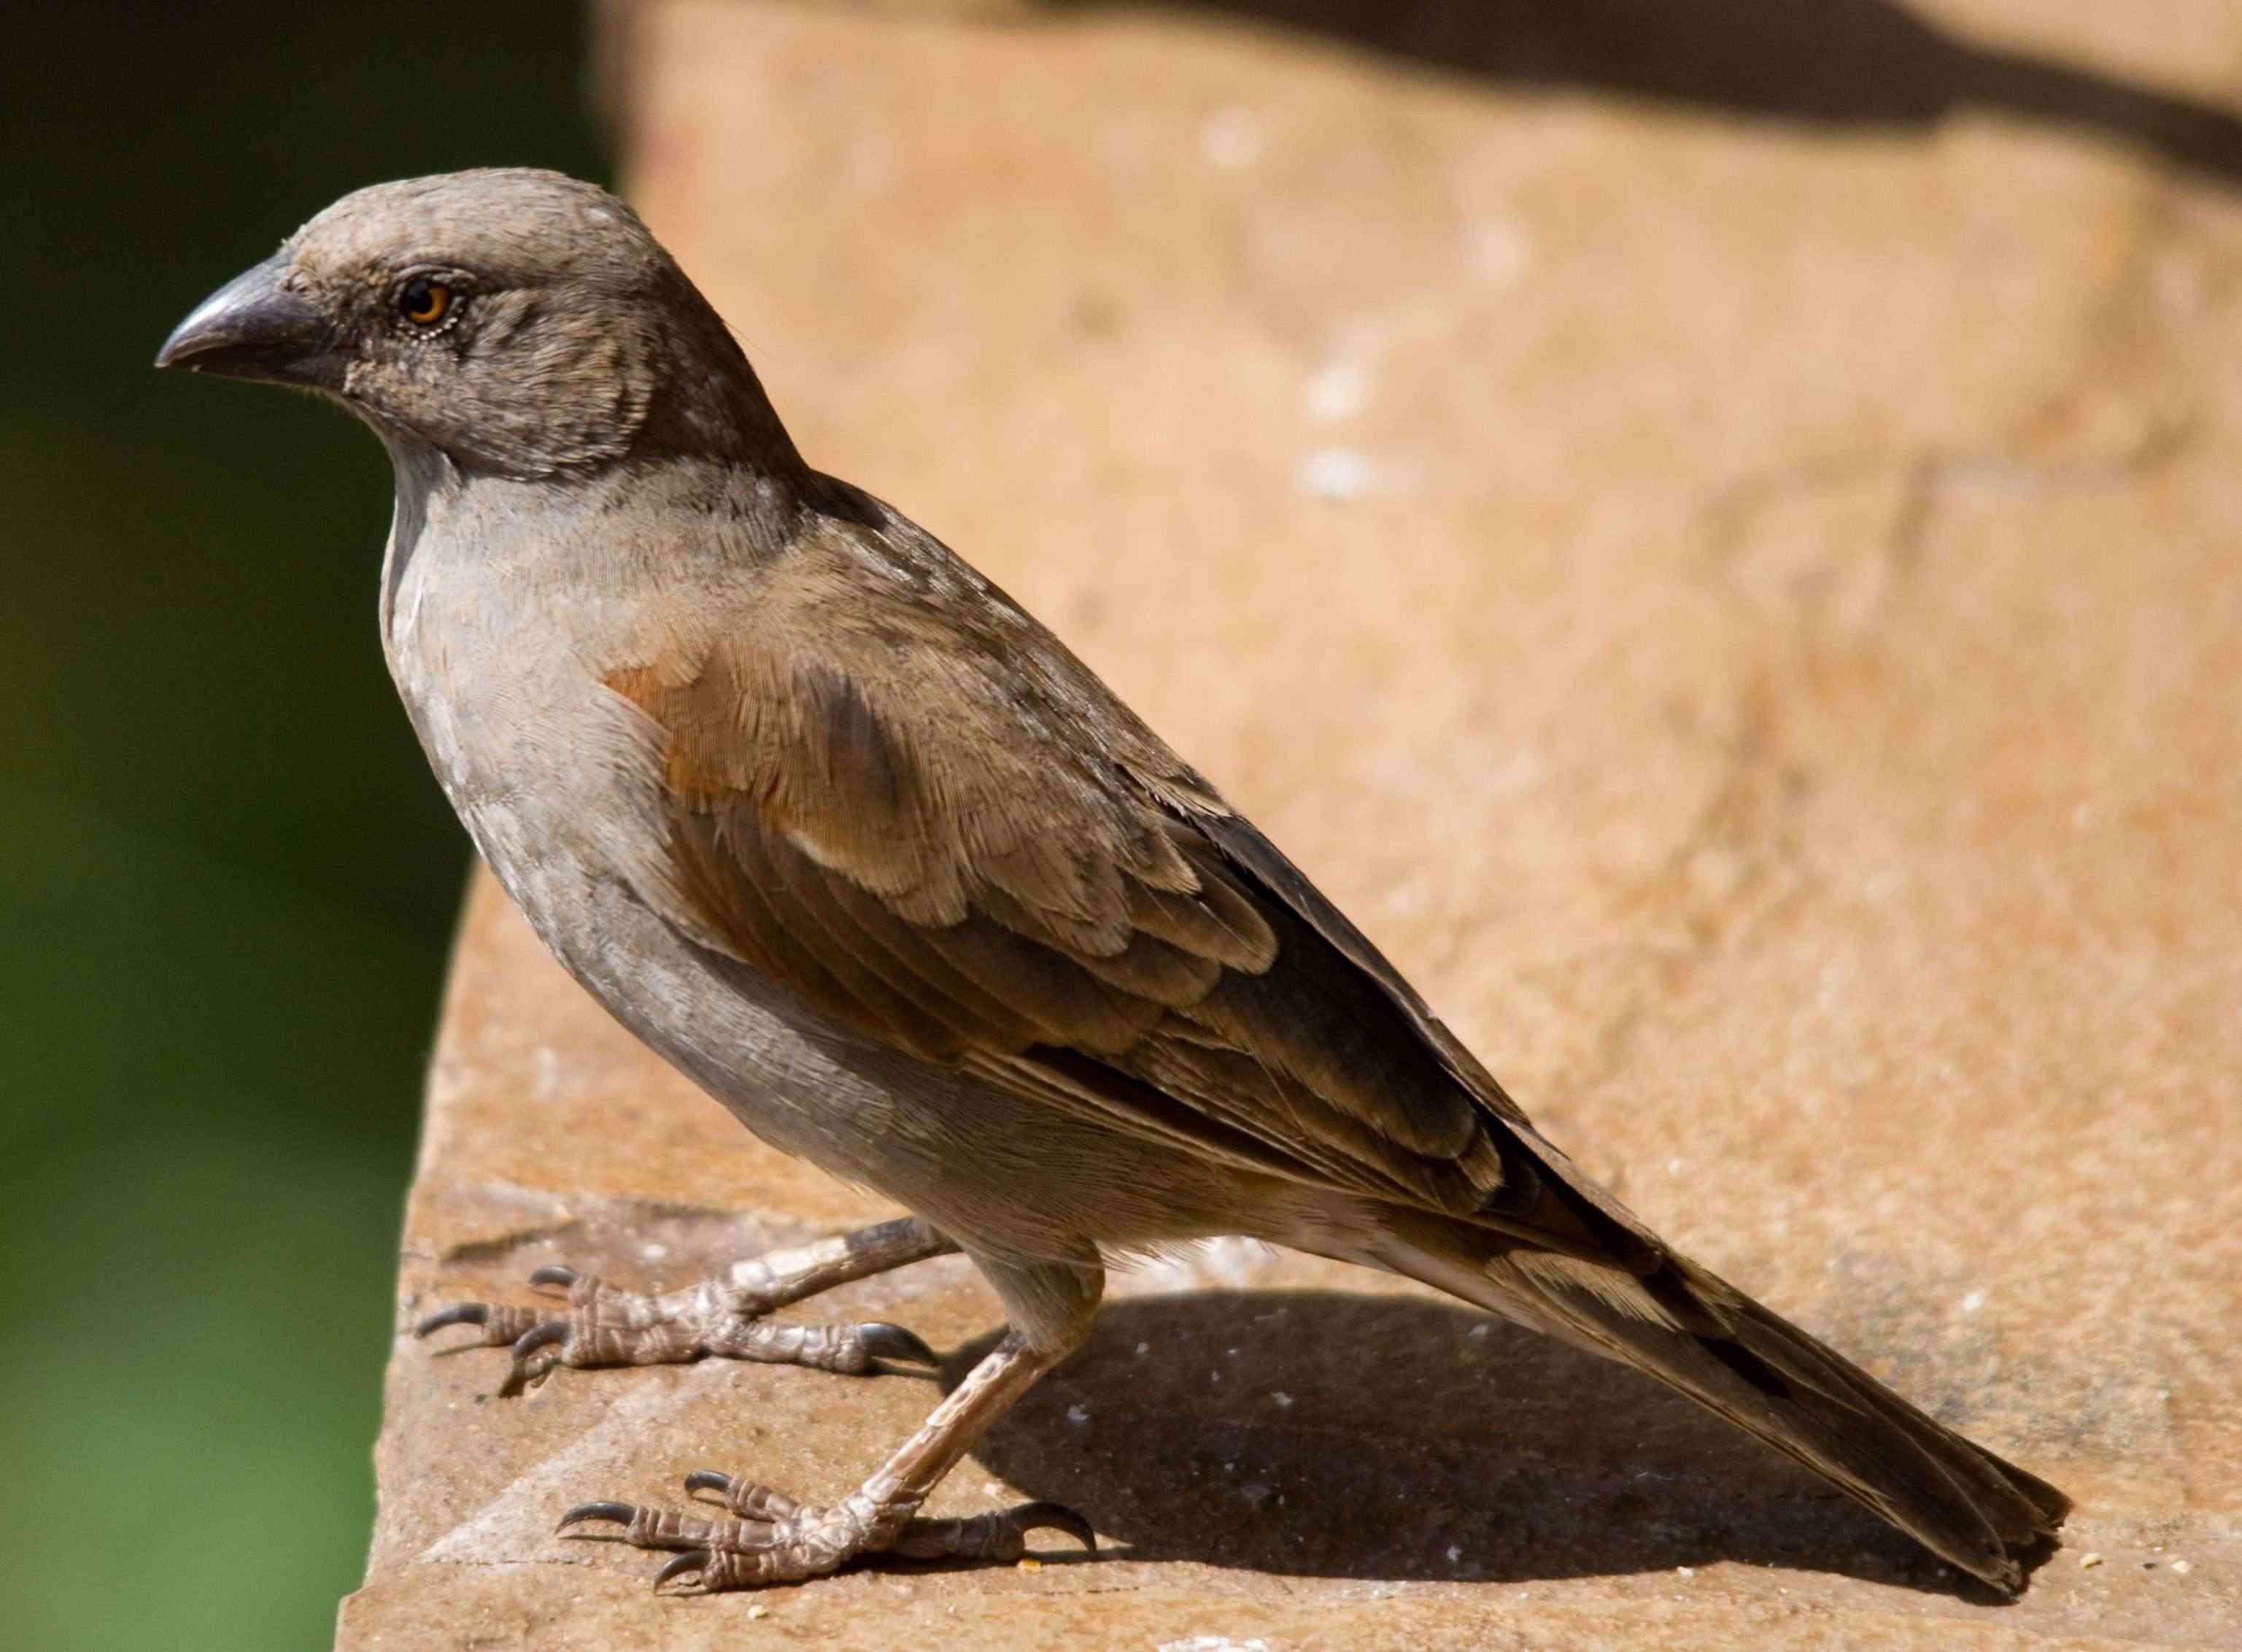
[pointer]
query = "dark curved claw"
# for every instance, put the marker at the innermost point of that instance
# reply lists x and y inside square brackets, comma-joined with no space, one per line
[554,1274]
[708,1480]
[527,1343]
[893,1342]
[619,1512]
[1055,1517]
[693,1560]
[458,1314]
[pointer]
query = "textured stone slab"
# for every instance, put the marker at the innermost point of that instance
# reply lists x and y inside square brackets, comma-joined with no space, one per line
[1748,618]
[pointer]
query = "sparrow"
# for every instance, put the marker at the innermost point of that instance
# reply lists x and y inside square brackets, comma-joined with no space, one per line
[838,830]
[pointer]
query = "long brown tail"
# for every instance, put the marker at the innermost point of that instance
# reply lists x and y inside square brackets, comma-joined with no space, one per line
[1697,1334]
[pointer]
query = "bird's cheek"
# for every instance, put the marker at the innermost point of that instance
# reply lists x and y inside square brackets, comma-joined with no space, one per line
[381,387]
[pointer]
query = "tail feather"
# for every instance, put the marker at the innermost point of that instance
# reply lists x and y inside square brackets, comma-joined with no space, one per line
[1699,1335]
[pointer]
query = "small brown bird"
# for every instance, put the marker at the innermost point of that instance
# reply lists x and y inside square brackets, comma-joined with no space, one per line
[823,817]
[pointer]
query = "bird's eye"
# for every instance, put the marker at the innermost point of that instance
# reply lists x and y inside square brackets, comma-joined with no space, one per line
[423,302]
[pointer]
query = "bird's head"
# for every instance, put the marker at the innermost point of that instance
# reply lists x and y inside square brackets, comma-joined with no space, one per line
[518,321]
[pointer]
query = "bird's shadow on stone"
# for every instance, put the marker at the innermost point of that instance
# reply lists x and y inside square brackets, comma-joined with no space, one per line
[1323,1435]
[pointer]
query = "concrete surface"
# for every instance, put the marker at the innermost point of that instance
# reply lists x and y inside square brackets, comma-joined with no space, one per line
[1744,608]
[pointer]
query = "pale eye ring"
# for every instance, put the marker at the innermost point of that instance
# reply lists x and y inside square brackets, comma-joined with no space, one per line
[424,301]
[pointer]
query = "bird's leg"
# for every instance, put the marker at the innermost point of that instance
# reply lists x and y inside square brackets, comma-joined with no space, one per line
[607,1326]
[770,1538]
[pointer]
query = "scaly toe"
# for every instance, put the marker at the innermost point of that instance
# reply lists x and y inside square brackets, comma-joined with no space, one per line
[500,1326]
[1001,1534]
[749,1499]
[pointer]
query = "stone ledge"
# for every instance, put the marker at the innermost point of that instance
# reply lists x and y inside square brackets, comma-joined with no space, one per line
[1747,619]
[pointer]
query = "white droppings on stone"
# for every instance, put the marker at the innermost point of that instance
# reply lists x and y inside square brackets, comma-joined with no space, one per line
[2182,1567]
[2090,1560]
[544,1072]
[653,1251]
[1335,473]
[1455,1553]
[1685,1571]
[1233,138]
[1478,1333]
[1283,1401]
[1077,1414]
[1143,1348]
[1973,1302]
[1213,1643]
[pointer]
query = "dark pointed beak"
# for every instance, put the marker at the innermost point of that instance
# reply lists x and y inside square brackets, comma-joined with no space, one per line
[253,327]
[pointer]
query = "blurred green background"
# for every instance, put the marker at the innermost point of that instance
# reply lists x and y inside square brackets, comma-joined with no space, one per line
[227,879]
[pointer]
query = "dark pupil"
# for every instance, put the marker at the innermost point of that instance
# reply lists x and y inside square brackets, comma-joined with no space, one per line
[419,300]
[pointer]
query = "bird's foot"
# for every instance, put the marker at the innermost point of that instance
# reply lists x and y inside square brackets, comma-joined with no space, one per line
[768,1537]
[606,1326]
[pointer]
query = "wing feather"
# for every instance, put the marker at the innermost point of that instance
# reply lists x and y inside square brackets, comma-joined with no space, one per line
[978,856]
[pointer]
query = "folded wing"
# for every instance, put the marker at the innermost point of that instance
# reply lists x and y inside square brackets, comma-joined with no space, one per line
[974,853]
